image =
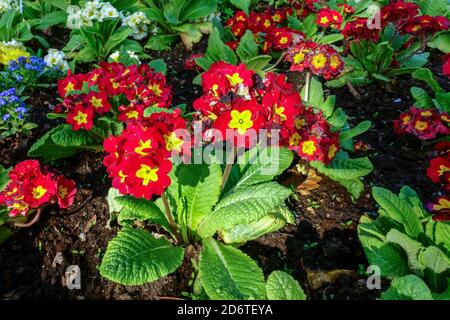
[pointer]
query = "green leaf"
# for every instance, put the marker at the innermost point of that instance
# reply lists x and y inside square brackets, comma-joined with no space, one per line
[439,234]
[229,274]
[411,247]
[4,178]
[141,209]
[355,187]
[441,42]
[242,233]
[217,50]
[87,54]
[437,264]
[442,100]
[421,97]
[260,165]
[244,5]
[160,42]
[399,210]
[355,131]
[417,60]
[135,257]
[426,75]
[244,206]
[116,39]
[345,169]
[51,19]
[388,257]
[433,7]
[114,206]
[199,188]
[158,65]
[198,9]
[247,48]
[282,286]
[315,93]
[409,287]
[62,142]
[331,38]
[258,63]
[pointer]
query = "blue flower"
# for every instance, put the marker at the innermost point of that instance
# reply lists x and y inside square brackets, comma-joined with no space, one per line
[21,109]
[6,117]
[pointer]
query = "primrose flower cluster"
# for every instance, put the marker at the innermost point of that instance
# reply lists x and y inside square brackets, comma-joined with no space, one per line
[267,27]
[319,59]
[6,5]
[425,124]
[439,172]
[237,104]
[99,11]
[92,11]
[138,161]
[13,112]
[405,18]
[141,87]
[32,186]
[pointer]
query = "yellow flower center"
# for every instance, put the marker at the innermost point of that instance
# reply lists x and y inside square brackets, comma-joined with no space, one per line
[427,113]
[279,110]
[122,176]
[299,123]
[294,140]
[63,191]
[299,57]
[276,17]
[96,102]
[38,192]
[442,204]
[234,79]
[335,62]
[132,114]
[421,125]
[69,87]
[309,147]
[284,40]
[156,89]
[173,142]
[443,169]
[324,20]
[241,121]
[267,23]
[319,61]
[142,146]
[406,119]
[81,117]
[147,174]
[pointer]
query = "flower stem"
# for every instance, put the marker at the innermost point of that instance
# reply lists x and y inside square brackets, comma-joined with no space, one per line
[169,217]
[32,222]
[228,167]
[307,86]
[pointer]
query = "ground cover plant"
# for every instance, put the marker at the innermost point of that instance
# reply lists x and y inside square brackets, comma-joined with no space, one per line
[225,150]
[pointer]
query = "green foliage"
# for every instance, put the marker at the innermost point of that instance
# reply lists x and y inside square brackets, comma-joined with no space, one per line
[14,27]
[4,178]
[407,245]
[422,99]
[247,52]
[135,257]
[95,43]
[229,274]
[44,14]
[370,61]
[62,142]
[250,206]
[179,18]
[282,286]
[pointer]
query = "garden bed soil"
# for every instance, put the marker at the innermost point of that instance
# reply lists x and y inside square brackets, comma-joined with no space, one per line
[321,250]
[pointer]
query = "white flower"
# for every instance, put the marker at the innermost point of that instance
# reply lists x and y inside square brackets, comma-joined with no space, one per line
[108,11]
[56,59]
[6,5]
[139,23]
[115,56]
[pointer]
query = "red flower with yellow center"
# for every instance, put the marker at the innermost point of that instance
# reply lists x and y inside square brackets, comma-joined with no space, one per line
[66,192]
[98,101]
[308,148]
[80,118]
[39,191]
[421,125]
[439,166]
[318,63]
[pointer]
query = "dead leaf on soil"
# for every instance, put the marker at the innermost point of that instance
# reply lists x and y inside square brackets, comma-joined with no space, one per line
[311,182]
[318,279]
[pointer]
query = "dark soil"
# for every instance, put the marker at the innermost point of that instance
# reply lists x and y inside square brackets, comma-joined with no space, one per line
[321,250]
